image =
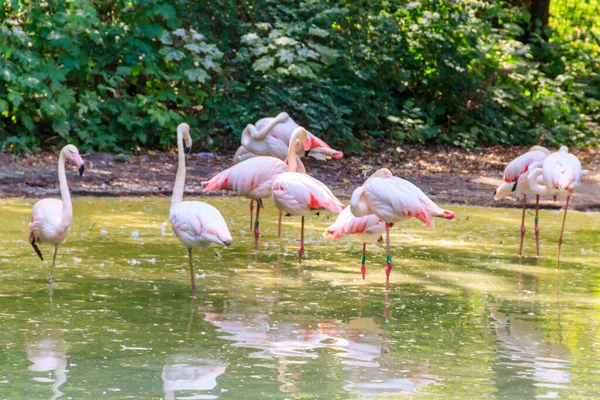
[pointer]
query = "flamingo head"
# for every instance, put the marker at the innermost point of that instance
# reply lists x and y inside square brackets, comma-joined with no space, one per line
[72,153]
[184,131]
[300,136]
[382,173]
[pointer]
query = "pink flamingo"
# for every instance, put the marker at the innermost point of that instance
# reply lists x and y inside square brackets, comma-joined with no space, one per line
[52,218]
[271,137]
[366,229]
[196,224]
[561,175]
[393,199]
[516,180]
[253,178]
[300,194]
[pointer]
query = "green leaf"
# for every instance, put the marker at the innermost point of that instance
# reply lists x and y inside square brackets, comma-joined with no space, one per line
[198,75]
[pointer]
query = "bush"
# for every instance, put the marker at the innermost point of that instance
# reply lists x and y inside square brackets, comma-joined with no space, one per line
[120,76]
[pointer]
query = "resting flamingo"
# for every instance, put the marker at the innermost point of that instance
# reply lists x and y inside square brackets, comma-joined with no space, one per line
[367,229]
[516,180]
[393,199]
[561,174]
[254,177]
[300,194]
[51,218]
[196,224]
[271,137]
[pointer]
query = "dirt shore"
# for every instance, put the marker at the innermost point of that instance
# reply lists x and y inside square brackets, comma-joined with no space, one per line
[447,176]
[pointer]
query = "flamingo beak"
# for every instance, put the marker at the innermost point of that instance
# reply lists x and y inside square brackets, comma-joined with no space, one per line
[306,145]
[81,169]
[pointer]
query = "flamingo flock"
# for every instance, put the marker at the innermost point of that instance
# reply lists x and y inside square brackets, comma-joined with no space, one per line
[268,165]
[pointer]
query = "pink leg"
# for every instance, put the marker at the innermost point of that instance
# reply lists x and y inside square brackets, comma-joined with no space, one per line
[561,232]
[53,263]
[388,269]
[536,228]
[363,268]
[256,231]
[279,225]
[192,275]
[251,213]
[301,250]
[523,225]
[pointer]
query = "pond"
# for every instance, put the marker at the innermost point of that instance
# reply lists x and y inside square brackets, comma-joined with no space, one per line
[463,317]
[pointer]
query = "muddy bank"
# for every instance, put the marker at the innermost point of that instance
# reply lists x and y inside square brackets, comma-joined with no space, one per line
[447,176]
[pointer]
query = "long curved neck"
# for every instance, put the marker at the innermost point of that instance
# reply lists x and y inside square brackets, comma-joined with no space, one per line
[292,157]
[533,182]
[64,191]
[180,178]
[260,135]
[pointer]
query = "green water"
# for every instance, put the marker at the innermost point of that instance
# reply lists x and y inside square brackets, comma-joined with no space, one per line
[465,319]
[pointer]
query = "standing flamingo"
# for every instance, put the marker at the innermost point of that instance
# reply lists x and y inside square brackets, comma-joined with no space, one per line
[516,180]
[300,194]
[367,229]
[393,199]
[196,224]
[254,177]
[52,218]
[271,137]
[562,174]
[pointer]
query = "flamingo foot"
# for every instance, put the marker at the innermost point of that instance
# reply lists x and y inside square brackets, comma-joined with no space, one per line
[363,270]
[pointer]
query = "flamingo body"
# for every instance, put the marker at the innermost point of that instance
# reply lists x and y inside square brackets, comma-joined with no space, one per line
[367,229]
[198,224]
[303,195]
[516,173]
[47,222]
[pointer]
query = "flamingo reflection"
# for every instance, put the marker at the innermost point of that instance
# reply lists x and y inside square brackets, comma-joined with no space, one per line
[48,352]
[187,373]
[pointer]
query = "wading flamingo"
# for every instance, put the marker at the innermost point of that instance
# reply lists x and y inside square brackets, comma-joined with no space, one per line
[367,229]
[516,180]
[271,137]
[51,218]
[196,224]
[393,199]
[300,194]
[254,177]
[561,174]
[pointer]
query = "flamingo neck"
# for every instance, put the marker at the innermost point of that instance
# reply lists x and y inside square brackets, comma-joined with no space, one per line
[180,177]
[292,157]
[64,191]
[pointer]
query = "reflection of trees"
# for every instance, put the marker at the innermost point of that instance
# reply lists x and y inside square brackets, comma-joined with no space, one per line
[48,352]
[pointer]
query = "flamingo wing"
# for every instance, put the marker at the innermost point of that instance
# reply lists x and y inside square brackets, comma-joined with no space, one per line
[294,191]
[369,227]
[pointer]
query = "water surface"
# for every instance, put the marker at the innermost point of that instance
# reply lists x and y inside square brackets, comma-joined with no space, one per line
[464,318]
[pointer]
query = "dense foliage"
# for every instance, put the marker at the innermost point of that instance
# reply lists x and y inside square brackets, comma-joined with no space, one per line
[120,75]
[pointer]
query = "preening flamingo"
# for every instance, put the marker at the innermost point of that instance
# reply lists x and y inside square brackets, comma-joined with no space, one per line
[516,180]
[196,224]
[561,174]
[271,137]
[253,178]
[393,199]
[300,194]
[367,229]
[51,218]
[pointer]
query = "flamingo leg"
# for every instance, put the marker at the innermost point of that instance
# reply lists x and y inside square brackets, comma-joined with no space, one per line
[53,263]
[279,224]
[561,232]
[363,260]
[536,228]
[388,269]
[192,274]
[301,250]
[523,225]
[259,205]
[251,213]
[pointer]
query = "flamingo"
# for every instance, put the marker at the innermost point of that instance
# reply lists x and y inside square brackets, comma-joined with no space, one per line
[300,194]
[51,218]
[196,224]
[561,174]
[393,199]
[253,178]
[516,180]
[271,137]
[367,229]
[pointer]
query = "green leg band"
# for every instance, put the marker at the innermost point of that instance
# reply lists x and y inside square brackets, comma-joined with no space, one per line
[256,225]
[389,259]
[363,259]
[536,220]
